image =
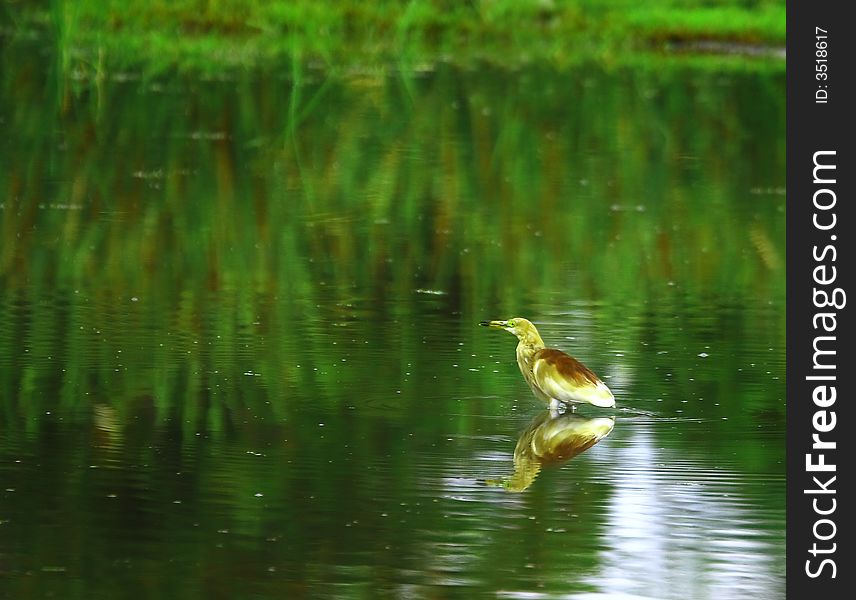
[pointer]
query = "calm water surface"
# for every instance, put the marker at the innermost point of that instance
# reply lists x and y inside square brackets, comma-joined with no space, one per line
[239,344]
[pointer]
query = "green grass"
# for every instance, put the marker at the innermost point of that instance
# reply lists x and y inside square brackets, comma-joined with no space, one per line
[209,36]
[765,26]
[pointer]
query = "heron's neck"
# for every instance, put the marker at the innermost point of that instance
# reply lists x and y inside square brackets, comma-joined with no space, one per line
[529,344]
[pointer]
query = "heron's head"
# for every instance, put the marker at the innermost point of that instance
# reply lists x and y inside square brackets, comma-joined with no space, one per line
[522,328]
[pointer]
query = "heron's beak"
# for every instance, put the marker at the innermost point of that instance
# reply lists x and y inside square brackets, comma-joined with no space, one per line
[497,324]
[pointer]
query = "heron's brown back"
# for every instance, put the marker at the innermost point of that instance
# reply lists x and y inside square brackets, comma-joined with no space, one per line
[567,367]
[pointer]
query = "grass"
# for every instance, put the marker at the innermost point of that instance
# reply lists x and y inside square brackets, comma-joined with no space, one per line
[213,35]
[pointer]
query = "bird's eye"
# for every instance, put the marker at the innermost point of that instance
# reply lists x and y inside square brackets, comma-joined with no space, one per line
[512,324]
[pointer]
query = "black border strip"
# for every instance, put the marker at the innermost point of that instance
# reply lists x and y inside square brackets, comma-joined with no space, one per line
[820,107]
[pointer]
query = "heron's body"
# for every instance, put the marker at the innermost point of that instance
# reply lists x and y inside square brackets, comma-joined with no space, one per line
[553,375]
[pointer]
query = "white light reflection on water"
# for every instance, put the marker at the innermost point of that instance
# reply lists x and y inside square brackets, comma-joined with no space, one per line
[679,527]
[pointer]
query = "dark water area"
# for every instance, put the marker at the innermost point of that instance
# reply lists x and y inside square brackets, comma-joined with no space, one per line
[239,352]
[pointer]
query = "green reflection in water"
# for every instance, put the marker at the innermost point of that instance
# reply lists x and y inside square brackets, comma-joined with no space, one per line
[552,439]
[268,211]
[213,290]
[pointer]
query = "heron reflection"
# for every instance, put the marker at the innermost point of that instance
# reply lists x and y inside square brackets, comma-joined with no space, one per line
[552,438]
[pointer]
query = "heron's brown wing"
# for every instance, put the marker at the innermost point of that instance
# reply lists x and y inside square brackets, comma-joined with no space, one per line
[565,378]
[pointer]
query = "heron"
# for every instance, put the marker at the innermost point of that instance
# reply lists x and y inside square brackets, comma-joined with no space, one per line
[555,377]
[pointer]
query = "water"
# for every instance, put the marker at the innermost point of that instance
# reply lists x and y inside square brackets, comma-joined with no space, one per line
[239,352]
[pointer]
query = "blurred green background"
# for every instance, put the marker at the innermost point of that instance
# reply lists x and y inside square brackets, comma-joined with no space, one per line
[210,35]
